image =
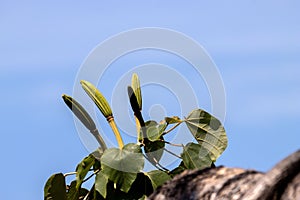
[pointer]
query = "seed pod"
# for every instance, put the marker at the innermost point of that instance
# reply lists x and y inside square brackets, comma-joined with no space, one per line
[97,97]
[135,84]
[79,112]
[137,112]
[85,118]
[103,106]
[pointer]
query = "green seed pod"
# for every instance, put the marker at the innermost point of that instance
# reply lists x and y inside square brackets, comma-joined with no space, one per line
[79,112]
[135,84]
[133,100]
[97,97]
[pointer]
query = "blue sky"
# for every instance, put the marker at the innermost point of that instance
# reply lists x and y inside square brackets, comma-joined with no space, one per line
[255,45]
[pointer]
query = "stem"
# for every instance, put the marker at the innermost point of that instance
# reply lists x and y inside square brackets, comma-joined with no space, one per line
[171,129]
[138,127]
[114,128]
[161,169]
[169,143]
[156,162]
[170,152]
[99,139]
[95,172]
[88,194]
[70,173]
[139,117]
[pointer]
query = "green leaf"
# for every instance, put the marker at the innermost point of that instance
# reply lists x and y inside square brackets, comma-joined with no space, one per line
[154,150]
[178,170]
[172,120]
[97,155]
[73,193]
[79,112]
[144,197]
[140,187]
[208,131]
[83,168]
[153,147]
[135,84]
[97,97]
[154,130]
[122,165]
[55,188]
[194,156]
[157,177]
[101,183]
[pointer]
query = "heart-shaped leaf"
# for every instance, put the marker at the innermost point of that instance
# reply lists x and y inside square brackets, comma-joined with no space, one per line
[101,183]
[55,188]
[194,156]
[83,168]
[154,130]
[157,177]
[122,165]
[208,131]
[154,150]
[74,194]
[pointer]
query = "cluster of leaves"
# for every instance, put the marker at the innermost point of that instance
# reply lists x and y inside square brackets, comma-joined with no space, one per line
[118,172]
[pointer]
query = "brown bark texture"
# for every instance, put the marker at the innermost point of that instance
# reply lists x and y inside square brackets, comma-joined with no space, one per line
[282,182]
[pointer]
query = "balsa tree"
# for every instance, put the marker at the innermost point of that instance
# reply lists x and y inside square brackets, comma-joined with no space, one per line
[118,173]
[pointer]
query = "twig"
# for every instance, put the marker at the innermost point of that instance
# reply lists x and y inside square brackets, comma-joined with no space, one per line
[69,173]
[156,162]
[171,129]
[169,143]
[88,194]
[95,172]
[170,152]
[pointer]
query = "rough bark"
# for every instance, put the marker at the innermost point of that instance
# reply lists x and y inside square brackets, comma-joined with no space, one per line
[280,183]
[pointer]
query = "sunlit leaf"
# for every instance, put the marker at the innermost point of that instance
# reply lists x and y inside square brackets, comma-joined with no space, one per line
[172,120]
[144,197]
[154,130]
[208,131]
[97,97]
[101,183]
[157,177]
[135,84]
[194,156]
[83,168]
[122,165]
[55,188]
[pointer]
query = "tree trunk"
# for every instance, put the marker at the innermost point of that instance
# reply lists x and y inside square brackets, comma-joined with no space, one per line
[221,183]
